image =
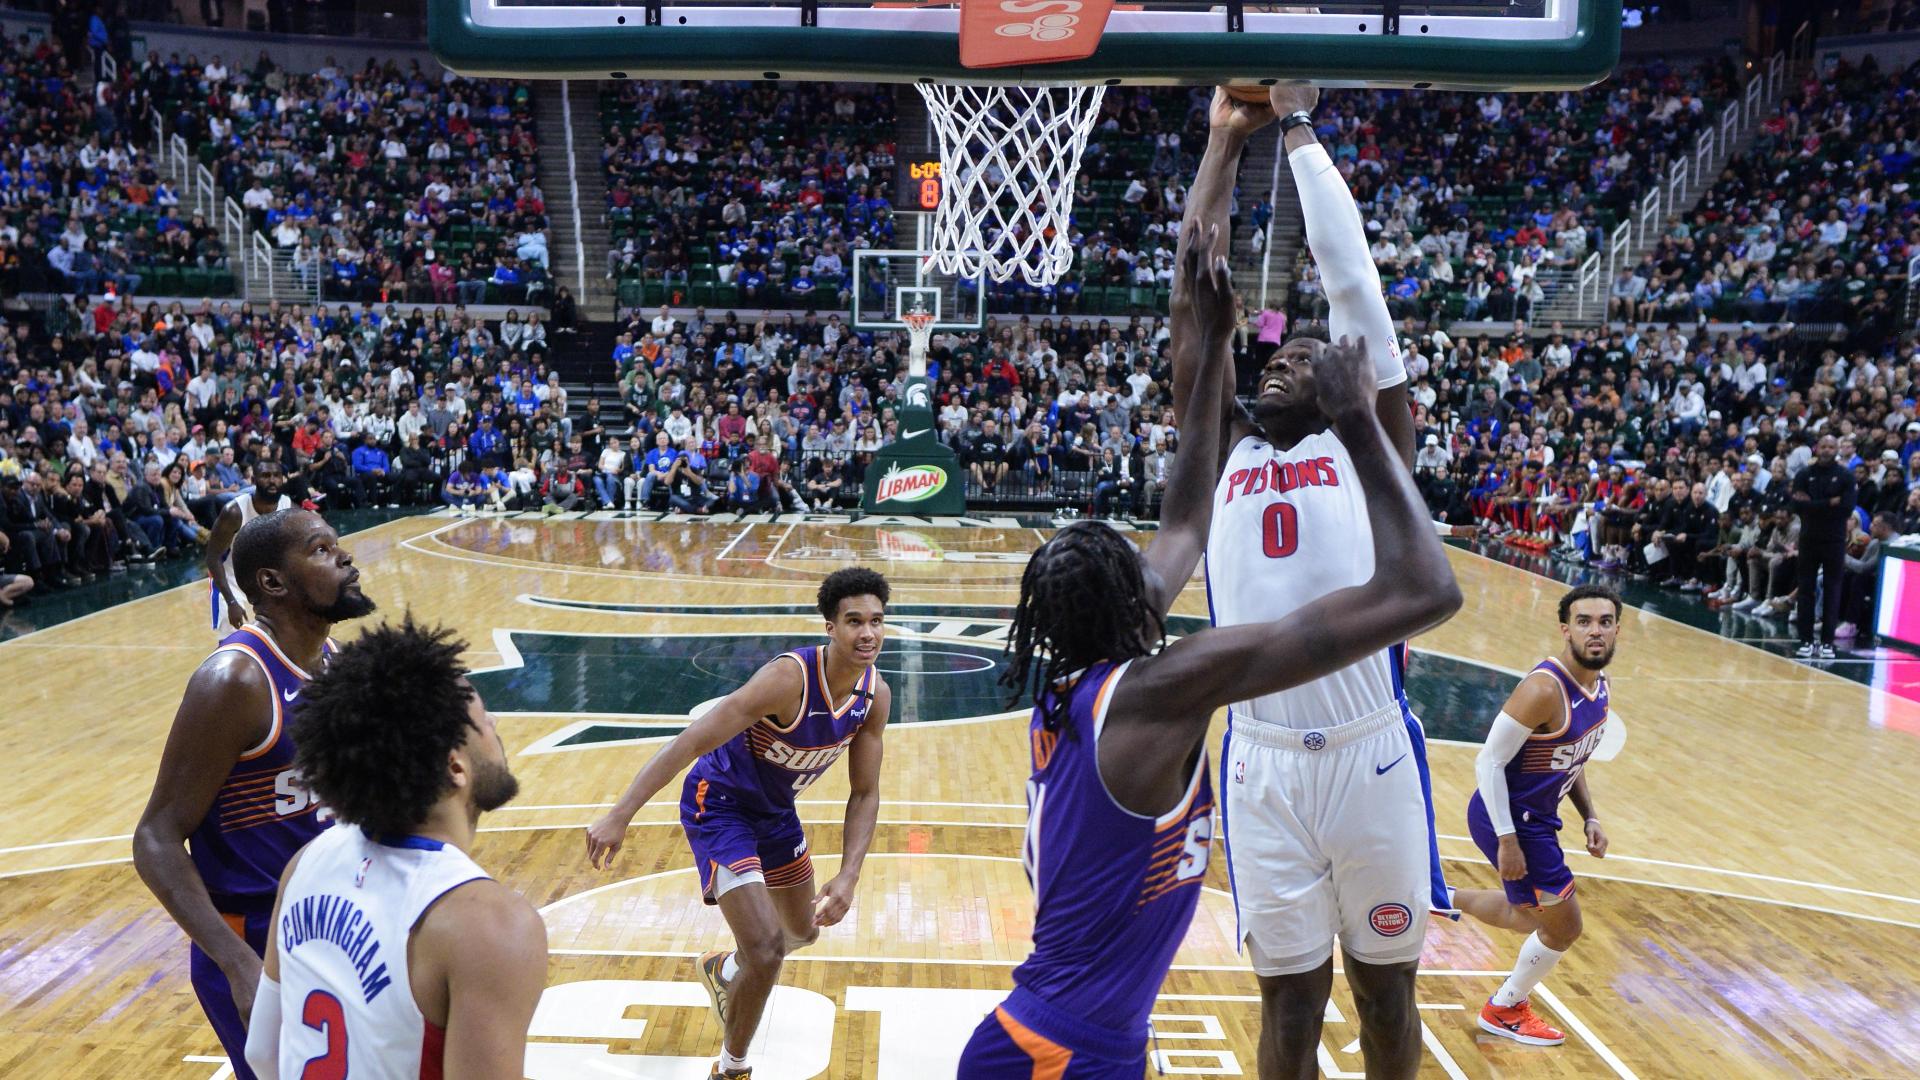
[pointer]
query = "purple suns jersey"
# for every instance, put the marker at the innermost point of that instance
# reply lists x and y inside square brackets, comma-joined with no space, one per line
[764,769]
[1115,891]
[260,816]
[1545,769]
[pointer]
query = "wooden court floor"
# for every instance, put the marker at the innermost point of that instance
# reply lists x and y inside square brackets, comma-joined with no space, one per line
[1759,915]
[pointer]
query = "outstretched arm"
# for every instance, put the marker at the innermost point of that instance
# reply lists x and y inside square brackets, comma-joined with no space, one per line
[1205,335]
[774,690]
[1231,121]
[1338,239]
[1412,587]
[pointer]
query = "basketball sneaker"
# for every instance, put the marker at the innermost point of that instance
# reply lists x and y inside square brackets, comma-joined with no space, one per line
[716,1074]
[710,965]
[1518,1022]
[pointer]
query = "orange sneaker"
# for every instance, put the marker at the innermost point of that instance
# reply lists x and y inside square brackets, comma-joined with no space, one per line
[1518,1022]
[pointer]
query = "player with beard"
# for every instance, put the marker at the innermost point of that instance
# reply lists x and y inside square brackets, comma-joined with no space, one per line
[1535,754]
[226,812]
[391,954]
[269,482]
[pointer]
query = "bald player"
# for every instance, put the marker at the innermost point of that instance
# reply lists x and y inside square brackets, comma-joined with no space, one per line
[226,814]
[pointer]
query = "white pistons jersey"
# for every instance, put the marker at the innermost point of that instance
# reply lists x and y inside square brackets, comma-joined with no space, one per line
[346,998]
[1290,526]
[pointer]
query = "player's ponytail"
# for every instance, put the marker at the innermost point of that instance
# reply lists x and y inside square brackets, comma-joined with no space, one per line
[1082,600]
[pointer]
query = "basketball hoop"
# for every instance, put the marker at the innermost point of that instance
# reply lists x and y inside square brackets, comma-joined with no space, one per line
[1008,155]
[920,335]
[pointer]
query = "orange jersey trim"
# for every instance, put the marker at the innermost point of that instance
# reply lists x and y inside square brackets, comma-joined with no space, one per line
[1049,1058]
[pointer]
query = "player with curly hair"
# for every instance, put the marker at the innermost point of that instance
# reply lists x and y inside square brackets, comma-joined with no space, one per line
[752,755]
[391,953]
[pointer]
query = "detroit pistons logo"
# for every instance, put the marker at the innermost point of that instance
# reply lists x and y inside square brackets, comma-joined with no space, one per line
[1390,920]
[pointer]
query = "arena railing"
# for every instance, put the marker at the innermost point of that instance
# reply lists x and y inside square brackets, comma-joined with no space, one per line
[1689,174]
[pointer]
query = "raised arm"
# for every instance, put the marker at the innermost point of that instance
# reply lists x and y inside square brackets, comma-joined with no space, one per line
[1412,587]
[1338,240]
[1231,122]
[1206,335]
[774,690]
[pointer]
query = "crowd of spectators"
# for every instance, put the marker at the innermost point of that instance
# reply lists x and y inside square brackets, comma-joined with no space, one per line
[753,195]
[1468,198]
[384,184]
[1815,223]
[381,184]
[82,205]
[756,193]
[785,412]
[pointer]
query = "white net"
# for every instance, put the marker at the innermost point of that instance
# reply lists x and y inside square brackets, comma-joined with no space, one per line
[1008,155]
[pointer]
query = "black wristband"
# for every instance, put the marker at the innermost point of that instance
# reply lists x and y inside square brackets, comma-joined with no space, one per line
[1293,120]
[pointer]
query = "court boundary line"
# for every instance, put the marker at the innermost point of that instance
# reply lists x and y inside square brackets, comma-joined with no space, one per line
[198,582]
[459,554]
[1796,665]
[1701,890]
[1598,876]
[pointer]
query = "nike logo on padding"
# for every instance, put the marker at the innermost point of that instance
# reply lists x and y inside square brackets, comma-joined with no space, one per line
[1381,770]
[914,434]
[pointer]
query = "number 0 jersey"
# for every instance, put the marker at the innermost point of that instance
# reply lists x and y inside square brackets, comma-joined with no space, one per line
[1290,526]
[1115,890]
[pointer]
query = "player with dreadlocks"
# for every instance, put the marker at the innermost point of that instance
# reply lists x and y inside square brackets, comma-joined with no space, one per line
[1120,808]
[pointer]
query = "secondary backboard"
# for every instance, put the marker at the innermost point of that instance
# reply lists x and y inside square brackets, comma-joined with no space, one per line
[1467,45]
[887,284]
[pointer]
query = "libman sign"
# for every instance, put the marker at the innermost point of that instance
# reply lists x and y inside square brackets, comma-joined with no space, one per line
[906,479]
[917,474]
[915,483]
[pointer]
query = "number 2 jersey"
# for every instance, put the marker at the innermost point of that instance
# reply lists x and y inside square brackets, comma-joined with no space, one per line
[346,990]
[1290,526]
[762,770]
[260,816]
[1115,891]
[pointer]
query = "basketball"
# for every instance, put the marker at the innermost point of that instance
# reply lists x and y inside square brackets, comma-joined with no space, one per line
[1254,94]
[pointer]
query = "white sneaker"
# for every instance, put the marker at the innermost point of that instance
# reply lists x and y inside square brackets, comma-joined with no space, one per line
[1827,653]
[1748,604]
[1805,651]
[1846,630]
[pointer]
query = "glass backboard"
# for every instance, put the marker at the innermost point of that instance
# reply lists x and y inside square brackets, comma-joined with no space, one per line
[1466,45]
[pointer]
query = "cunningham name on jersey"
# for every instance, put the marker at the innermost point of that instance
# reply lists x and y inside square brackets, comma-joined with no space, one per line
[328,921]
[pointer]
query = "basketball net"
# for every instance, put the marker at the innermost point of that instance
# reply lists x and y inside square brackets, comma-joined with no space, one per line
[920,334]
[1009,155]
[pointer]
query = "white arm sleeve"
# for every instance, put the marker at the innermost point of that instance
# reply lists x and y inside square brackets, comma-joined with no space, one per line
[1503,743]
[263,1031]
[1355,306]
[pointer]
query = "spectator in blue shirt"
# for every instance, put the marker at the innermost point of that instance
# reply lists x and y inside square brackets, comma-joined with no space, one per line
[659,467]
[371,465]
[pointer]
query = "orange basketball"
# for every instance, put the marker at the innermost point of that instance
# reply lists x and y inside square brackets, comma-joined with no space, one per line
[1254,94]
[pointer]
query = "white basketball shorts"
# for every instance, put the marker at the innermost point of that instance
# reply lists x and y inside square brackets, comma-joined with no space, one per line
[1329,832]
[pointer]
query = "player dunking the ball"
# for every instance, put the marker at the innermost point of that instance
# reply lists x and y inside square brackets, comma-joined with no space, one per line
[1120,807]
[752,755]
[1535,755]
[227,811]
[1328,818]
